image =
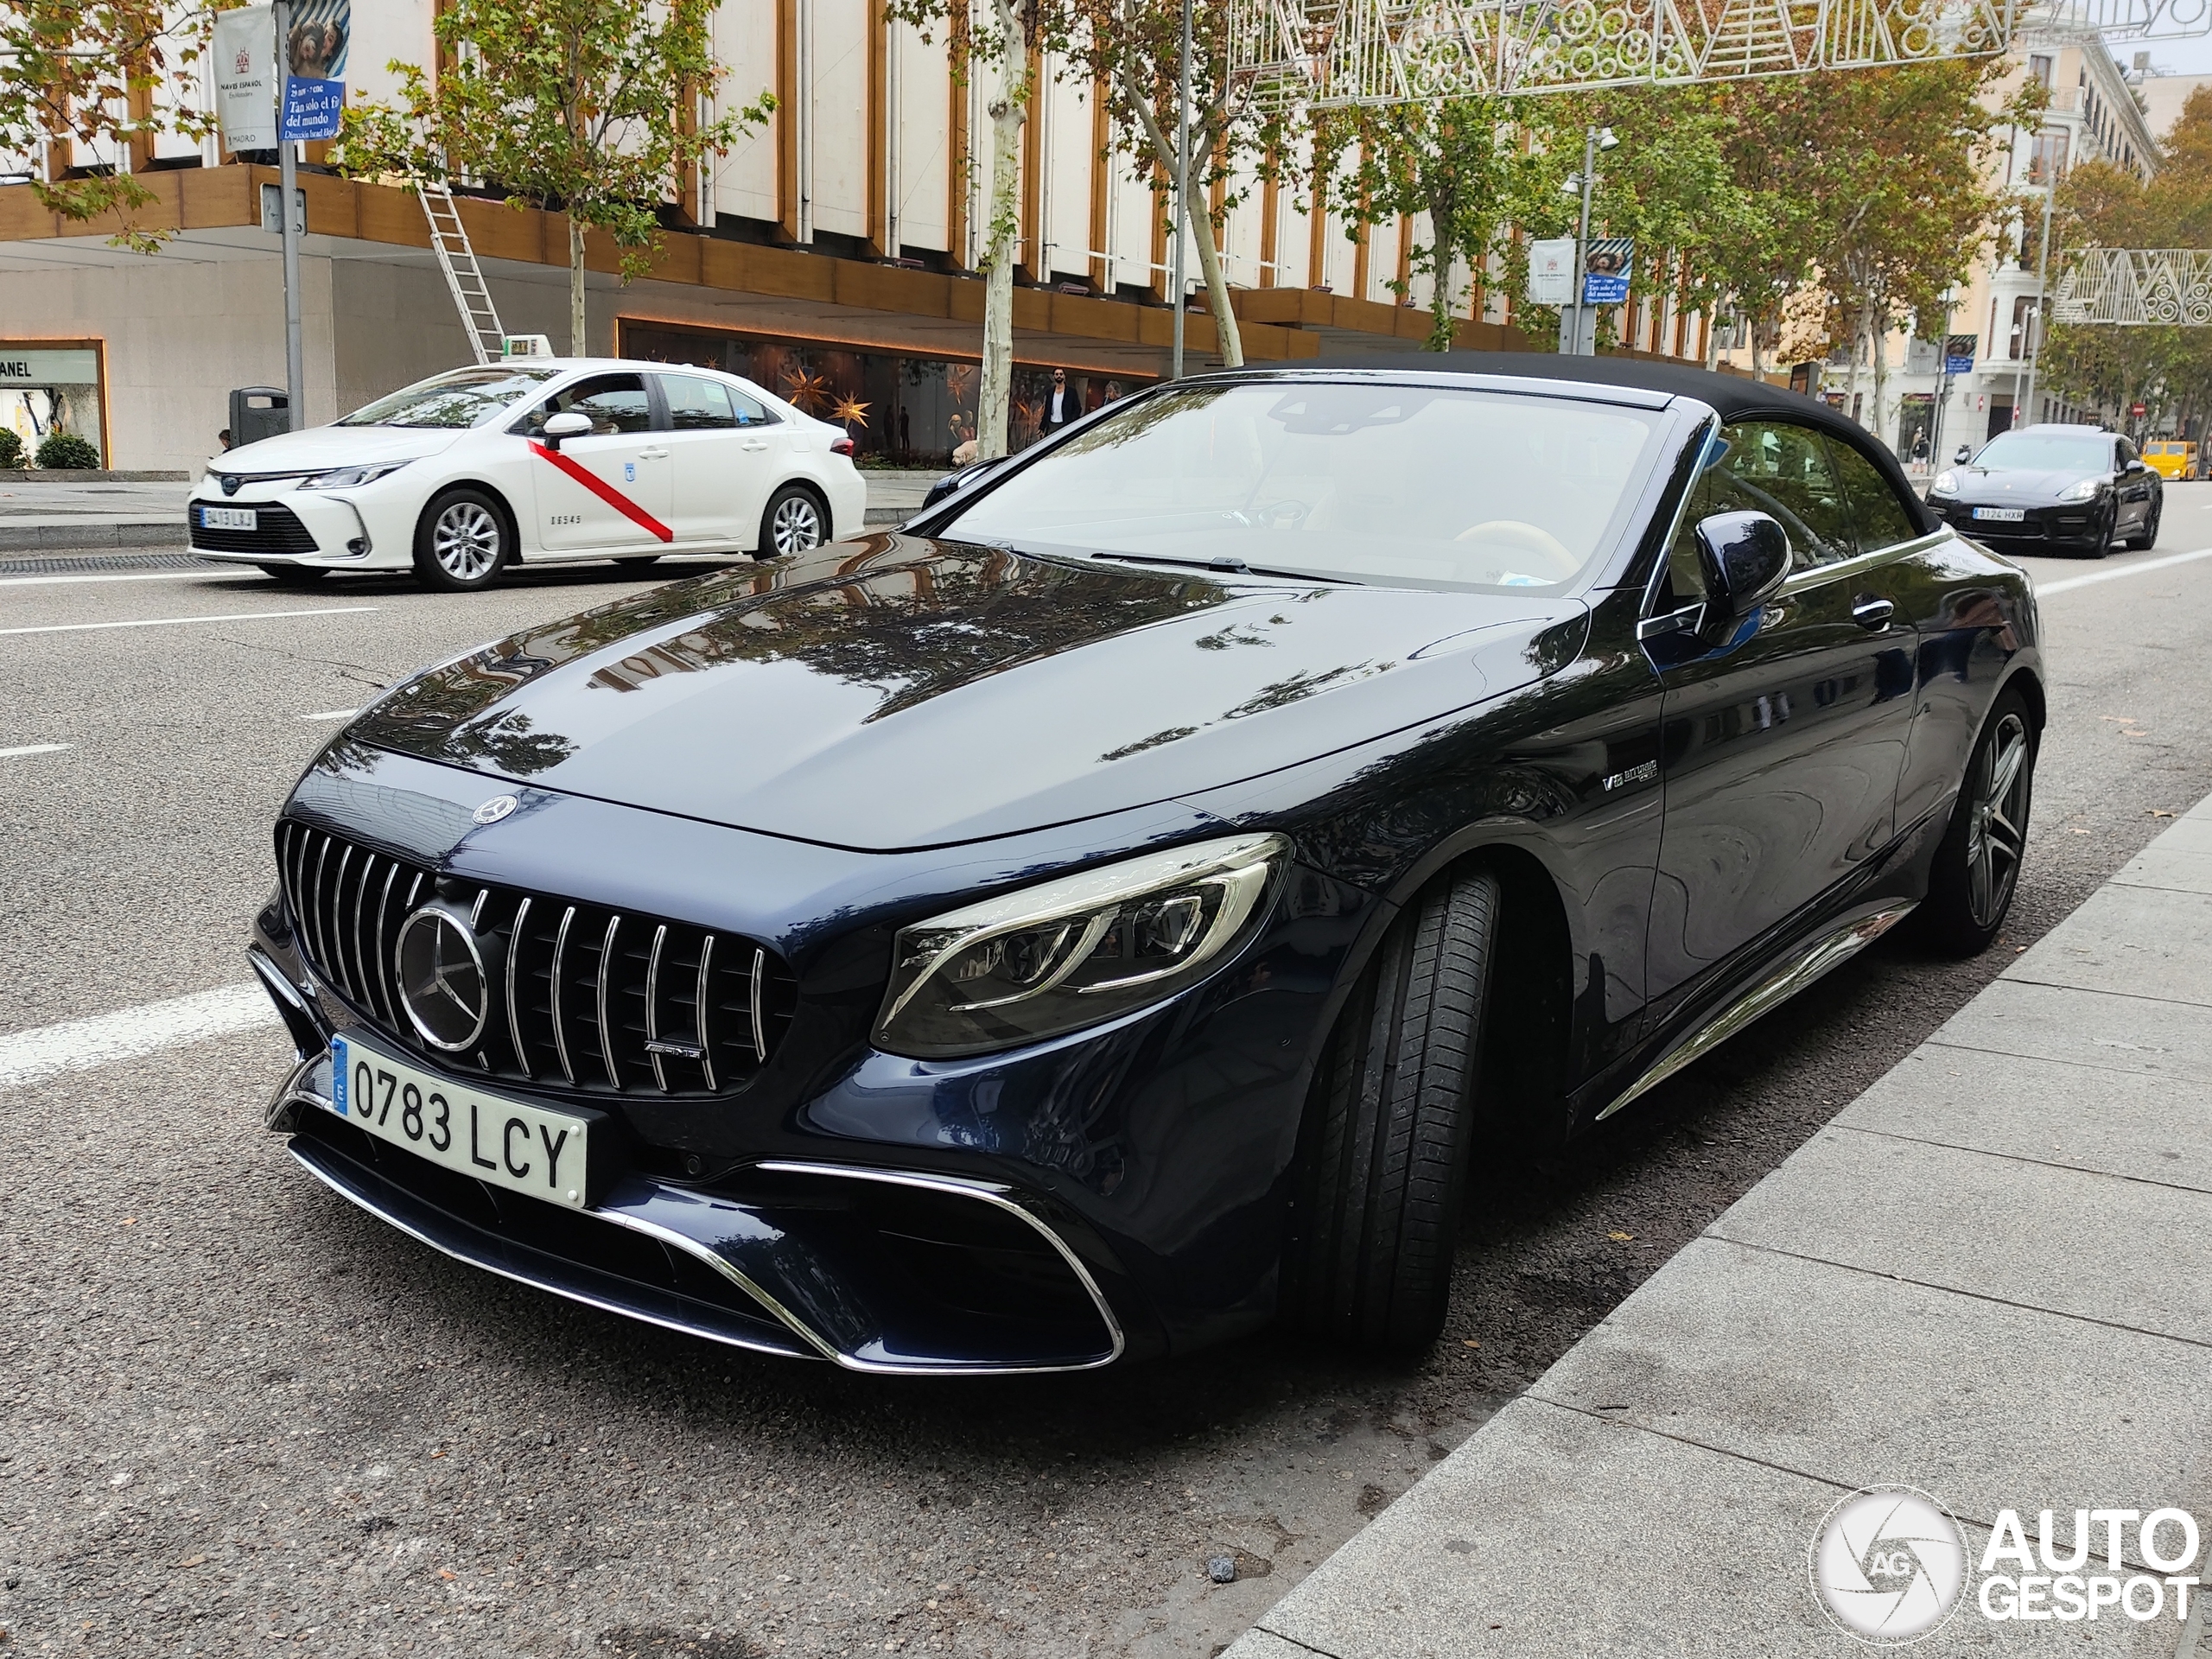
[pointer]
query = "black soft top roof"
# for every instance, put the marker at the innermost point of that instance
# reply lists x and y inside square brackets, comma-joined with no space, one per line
[1732,397]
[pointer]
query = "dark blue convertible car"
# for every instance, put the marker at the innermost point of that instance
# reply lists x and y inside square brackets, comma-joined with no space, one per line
[1116,910]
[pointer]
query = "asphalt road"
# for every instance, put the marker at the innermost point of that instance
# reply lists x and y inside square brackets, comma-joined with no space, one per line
[235,1412]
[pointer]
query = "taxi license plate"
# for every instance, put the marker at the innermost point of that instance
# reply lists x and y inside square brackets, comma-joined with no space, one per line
[522,1147]
[2001,515]
[229,518]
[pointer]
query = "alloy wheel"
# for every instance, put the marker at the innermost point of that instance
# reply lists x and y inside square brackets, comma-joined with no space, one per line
[1996,833]
[795,525]
[465,542]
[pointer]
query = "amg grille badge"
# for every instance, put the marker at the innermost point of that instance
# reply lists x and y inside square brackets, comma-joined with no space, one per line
[681,1051]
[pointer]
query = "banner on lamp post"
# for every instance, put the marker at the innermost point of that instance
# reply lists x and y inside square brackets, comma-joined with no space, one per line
[1606,272]
[1551,271]
[245,77]
[315,93]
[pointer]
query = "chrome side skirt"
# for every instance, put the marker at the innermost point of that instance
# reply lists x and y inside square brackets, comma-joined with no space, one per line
[1770,993]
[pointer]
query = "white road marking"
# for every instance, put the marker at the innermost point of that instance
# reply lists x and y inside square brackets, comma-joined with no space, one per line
[333,713]
[27,1057]
[2118,571]
[180,621]
[131,575]
[34,748]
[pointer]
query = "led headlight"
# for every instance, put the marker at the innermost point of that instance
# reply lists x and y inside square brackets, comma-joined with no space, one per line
[1065,954]
[1945,484]
[2085,491]
[346,478]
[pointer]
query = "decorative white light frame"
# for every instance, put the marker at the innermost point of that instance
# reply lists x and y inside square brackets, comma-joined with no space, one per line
[1342,54]
[2134,288]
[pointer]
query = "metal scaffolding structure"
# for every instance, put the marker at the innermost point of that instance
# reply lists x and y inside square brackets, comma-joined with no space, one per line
[1339,54]
[2134,287]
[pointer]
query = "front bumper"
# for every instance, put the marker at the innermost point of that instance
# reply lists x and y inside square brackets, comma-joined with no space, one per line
[1120,1191]
[2073,522]
[316,528]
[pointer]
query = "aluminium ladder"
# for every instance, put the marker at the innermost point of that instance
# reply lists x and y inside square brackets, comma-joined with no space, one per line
[464,279]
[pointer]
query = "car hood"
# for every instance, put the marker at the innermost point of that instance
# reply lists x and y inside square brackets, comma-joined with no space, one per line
[2008,488]
[900,693]
[321,446]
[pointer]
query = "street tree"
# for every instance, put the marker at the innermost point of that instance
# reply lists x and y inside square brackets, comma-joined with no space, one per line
[1006,39]
[99,74]
[591,108]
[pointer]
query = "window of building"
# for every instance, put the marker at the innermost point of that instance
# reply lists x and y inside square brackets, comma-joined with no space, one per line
[2039,70]
[901,409]
[2047,156]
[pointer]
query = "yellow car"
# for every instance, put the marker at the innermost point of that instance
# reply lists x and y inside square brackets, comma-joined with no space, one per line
[2171,459]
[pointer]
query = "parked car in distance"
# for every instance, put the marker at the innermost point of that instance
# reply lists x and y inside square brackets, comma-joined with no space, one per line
[533,461]
[2172,458]
[2053,488]
[1118,908]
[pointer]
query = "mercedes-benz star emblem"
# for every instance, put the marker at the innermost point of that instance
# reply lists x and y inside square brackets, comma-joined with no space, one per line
[443,984]
[495,809]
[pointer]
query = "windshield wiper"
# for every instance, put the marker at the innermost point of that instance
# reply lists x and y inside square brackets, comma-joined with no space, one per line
[1227,568]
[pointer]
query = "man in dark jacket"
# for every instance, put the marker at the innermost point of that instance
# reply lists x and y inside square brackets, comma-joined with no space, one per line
[1062,404]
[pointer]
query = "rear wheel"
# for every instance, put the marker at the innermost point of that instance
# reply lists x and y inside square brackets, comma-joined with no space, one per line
[1383,1160]
[463,542]
[2148,535]
[1978,865]
[294,576]
[793,522]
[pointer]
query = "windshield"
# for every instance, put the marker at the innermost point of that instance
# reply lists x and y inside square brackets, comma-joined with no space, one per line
[1409,485]
[466,398]
[2047,452]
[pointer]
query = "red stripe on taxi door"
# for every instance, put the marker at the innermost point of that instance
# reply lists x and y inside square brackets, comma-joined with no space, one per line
[605,492]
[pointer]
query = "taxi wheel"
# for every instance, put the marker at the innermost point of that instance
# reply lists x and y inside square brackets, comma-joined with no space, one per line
[794,522]
[462,542]
[294,576]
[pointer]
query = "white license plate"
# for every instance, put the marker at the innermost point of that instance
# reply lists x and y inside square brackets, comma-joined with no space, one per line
[524,1148]
[2001,515]
[229,518]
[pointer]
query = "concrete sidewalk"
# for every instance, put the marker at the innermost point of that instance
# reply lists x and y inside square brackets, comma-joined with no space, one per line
[1989,1277]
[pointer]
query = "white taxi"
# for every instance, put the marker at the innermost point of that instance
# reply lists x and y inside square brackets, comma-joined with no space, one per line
[534,459]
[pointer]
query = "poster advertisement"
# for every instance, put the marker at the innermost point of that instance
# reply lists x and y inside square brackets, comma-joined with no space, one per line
[1605,275]
[244,60]
[1551,271]
[314,96]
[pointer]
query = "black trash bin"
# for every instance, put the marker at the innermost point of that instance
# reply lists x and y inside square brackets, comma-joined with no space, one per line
[258,412]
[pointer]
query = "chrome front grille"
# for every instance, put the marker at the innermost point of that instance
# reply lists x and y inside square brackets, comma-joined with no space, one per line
[585,997]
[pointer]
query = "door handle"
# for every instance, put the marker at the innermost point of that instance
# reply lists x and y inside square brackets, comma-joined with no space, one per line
[652,454]
[755,446]
[1872,614]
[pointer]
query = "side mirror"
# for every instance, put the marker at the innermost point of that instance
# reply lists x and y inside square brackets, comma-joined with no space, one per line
[570,425]
[1964,455]
[2138,466]
[1744,556]
[953,483]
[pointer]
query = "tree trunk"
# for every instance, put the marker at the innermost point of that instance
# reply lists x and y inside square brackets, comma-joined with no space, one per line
[1226,336]
[1009,109]
[1444,240]
[1879,424]
[578,336]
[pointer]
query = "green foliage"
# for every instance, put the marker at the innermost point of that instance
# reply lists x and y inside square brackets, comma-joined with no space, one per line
[590,107]
[76,70]
[11,450]
[65,451]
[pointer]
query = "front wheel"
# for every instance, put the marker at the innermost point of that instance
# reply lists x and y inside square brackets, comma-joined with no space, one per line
[2148,535]
[463,542]
[1383,1157]
[793,522]
[1978,865]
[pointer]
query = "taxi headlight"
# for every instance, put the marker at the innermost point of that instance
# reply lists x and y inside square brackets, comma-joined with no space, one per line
[1069,953]
[346,478]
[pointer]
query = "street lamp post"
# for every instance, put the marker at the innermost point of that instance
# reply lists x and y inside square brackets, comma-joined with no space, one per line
[1942,381]
[2023,414]
[1579,339]
[287,183]
[1182,184]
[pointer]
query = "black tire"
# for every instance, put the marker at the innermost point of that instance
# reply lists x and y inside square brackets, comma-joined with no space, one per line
[2101,543]
[2148,535]
[463,541]
[294,576]
[1977,872]
[639,561]
[784,523]
[1383,1157]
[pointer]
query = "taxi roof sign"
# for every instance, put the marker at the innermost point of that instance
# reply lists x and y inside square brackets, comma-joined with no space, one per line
[525,346]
